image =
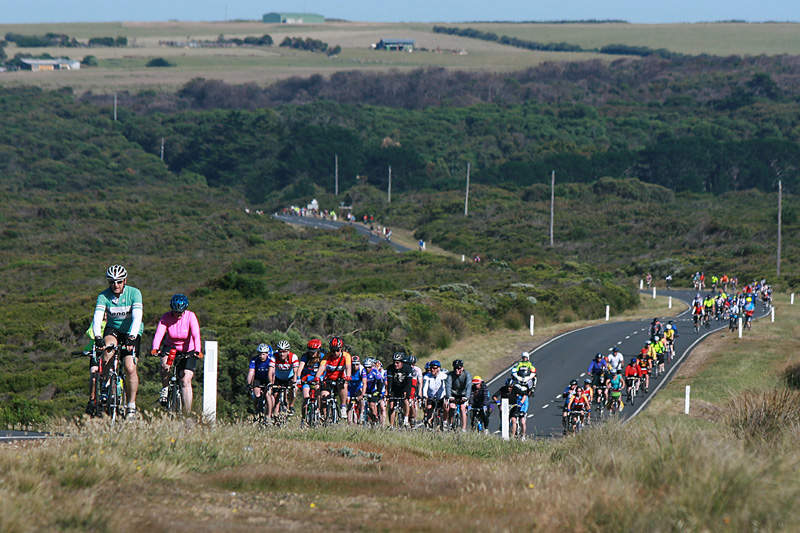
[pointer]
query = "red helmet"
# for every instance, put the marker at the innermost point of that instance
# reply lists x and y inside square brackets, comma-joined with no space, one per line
[314,344]
[337,343]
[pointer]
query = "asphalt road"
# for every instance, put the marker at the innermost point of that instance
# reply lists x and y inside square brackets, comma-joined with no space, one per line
[321,223]
[8,436]
[568,356]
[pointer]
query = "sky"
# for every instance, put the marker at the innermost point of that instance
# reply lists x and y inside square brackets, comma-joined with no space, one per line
[643,11]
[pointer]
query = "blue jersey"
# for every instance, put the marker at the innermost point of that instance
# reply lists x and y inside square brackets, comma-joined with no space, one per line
[354,385]
[261,368]
[375,381]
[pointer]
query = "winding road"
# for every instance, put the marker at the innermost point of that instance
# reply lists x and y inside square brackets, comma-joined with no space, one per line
[325,224]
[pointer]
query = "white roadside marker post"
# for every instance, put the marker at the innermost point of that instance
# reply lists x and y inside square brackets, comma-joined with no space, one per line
[792,299]
[654,292]
[670,302]
[641,284]
[531,325]
[504,418]
[686,403]
[740,327]
[608,312]
[210,383]
[772,314]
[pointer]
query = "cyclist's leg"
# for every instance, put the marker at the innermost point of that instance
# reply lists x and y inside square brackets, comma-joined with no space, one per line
[186,390]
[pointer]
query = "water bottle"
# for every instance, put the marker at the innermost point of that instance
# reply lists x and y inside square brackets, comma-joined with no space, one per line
[171,356]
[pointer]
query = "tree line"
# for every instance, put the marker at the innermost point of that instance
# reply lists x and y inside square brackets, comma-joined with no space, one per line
[51,39]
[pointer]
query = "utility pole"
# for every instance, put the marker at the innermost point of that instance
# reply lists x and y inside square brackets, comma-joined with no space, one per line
[162,148]
[389,191]
[336,174]
[780,194]
[552,203]
[466,196]
[115,107]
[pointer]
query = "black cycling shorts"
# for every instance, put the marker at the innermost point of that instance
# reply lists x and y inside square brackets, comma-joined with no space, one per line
[400,390]
[187,363]
[122,339]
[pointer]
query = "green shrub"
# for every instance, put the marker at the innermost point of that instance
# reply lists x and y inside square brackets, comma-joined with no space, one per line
[159,62]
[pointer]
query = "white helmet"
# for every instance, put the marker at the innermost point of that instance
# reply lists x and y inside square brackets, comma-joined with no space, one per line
[283,345]
[116,273]
[525,356]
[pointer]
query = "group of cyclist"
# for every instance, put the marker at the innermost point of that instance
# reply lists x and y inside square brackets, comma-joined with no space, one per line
[610,378]
[730,307]
[117,328]
[399,394]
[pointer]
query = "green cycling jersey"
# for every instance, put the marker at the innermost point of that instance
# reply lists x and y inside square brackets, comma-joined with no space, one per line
[120,309]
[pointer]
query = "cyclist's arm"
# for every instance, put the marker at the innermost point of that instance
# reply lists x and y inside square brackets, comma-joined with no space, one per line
[363,385]
[425,384]
[468,388]
[194,332]
[251,374]
[448,386]
[347,367]
[137,313]
[99,312]
[271,373]
[161,329]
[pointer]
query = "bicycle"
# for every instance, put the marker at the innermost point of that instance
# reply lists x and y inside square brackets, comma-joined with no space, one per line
[312,416]
[396,411]
[575,420]
[632,386]
[109,394]
[331,403]
[614,404]
[281,404]
[454,415]
[696,320]
[261,416]
[437,417]
[748,319]
[174,392]
[479,419]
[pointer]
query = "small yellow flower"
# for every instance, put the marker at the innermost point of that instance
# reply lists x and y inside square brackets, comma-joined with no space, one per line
[530,485]
[313,505]
[172,441]
[138,468]
[235,509]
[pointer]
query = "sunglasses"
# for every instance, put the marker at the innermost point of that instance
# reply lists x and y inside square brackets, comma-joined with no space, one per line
[117,282]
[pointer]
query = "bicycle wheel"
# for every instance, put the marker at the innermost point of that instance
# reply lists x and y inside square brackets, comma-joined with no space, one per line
[174,399]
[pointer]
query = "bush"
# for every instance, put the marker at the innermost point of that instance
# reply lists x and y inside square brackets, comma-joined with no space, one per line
[89,61]
[159,62]
[764,416]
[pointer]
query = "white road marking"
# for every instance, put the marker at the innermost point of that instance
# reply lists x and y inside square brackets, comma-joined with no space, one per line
[530,416]
[545,406]
[583,374]
[620,342]
[558,396]
[627,337]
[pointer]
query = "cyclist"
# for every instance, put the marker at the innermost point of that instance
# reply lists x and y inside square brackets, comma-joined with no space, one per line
[669,338]
[122,305]
[508,392]
[307,369]
[399,378]
[479,400]
[258,376]
[660,348]
[283,372]
[697,313]
[597,369]
[644,370]
[356,388]
[524,374]
[579,403]
[708,308]
[567,395]
[179,329]
[335,365]
[616,360]
[434,390]
[416,385]
[589,392]
[749,308]
[655,327]
[632,375]
[459,387]
[668,281]
[374,387]
[617,385]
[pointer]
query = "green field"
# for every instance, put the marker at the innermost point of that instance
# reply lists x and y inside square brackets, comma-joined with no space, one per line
[123,68]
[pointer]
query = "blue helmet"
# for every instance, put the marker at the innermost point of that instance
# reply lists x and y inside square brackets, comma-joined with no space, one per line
[179,303]
[436,364]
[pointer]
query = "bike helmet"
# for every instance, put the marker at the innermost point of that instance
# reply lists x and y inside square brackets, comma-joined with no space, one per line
[476,379]
[587,381]
[427,366]
[356,360]
[368,362]
[648,343]
[398,356]
[436,364]
[179,303]
[509,381]
[598,356]
[655,338]
[314,344]
[525,356]
[264,348]
[116,273]
[410,359]
[337,343]
[633,361]
[283,344]
[669,326]
[573,382]
[458,363]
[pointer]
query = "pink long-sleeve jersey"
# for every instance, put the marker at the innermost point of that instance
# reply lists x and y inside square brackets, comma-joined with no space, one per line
[183,333]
